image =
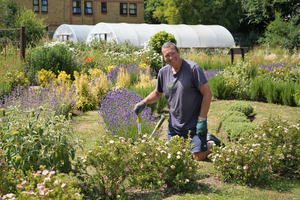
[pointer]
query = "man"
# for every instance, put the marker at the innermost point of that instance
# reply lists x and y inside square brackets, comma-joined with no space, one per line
[188,94]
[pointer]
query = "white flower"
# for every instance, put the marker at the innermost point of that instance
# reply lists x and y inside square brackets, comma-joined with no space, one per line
[63,185]
[178,157]
[111,141]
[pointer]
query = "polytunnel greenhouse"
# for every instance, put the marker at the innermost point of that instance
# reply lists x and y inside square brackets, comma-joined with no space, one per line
[73,33]
[187,36]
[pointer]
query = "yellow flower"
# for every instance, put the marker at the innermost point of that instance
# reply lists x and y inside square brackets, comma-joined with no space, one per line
[15,133]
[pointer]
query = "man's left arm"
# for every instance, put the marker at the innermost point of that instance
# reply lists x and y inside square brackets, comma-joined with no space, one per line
[207,96]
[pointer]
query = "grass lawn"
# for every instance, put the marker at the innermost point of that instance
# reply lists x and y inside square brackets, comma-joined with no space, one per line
[87,127]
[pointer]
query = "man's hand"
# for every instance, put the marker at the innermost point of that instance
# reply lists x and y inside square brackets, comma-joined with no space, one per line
[201,128]
[139,107]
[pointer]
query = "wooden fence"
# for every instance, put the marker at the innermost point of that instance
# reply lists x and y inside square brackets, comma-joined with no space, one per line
[5,40]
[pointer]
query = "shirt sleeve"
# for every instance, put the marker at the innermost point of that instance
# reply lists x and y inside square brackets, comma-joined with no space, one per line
[159,86]
[198,76]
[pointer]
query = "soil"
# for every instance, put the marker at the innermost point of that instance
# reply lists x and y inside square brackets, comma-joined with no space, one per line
[76,112]
[206,183]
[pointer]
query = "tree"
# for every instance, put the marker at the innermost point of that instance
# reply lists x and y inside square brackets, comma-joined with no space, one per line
[8,10]
[208,12]
[35,29]
[283,33]
[149,8]
[259,13]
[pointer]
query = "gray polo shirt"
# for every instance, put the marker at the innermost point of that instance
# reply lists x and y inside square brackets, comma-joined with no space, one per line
[182,93]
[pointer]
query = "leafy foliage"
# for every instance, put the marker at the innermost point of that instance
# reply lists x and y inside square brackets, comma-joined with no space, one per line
[243,107]
[119,118]
[158,39]
[31,139]
[50,56]
[35,29]
[282,33]
[149,164]
[272,148]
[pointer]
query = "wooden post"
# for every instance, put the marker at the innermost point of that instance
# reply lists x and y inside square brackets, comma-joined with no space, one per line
[22,42]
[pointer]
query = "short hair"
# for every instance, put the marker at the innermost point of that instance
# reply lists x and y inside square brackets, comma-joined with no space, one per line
[167,45]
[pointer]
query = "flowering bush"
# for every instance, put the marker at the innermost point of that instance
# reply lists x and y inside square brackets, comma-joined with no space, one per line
[273,148]
[119,118]
[169,163]
[90,89]
[143,163]
[60,99]
[280,72]
[45,76]
[132,70]
[41,184]
[14,78]
[31,139]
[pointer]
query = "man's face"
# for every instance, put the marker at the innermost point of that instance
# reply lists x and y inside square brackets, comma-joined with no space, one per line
[171,56]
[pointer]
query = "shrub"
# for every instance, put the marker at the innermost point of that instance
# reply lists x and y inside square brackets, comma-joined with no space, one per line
[239,129]
[99,84]
[85,99]
[35,27]
[41,184]
[31,139]
[132,70]
[219,87]
[282,33]
[257,88]
[272,148]
[7,184]
[119,118]
[60,99]
[123,79]
[45,76]
[14,78]
[228,114]
[156,42]
[51,56]
[241,106]
[158,39]
[149,164]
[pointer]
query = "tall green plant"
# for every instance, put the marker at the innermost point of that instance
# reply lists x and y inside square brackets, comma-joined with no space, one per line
[32,139]
[50,56]
[35,28]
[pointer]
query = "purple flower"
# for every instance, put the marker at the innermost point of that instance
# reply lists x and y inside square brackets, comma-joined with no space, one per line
[119,118]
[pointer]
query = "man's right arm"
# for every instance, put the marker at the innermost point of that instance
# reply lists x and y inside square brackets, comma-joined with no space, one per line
[153,97]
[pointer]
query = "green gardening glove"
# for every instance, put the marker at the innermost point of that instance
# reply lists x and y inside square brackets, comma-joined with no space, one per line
[201,128]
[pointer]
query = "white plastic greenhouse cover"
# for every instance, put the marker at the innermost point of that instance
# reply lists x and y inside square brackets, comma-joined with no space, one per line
[202,36]
[74,33]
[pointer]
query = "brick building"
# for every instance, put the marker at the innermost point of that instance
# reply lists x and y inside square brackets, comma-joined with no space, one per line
[87,12]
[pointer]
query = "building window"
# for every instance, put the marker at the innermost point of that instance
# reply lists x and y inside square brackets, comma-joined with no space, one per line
[123,8]
[103,7]
[132,8]
[76,7]
[36,5]
[88,7]
[44,5]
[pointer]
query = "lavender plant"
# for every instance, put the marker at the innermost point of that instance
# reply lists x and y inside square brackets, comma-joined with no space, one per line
[119,118]
[132,70]
[60,99]
[279,72]
[211,73]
